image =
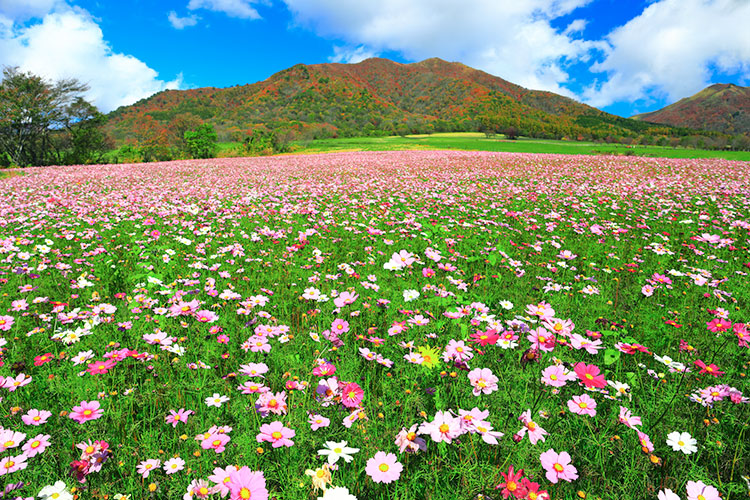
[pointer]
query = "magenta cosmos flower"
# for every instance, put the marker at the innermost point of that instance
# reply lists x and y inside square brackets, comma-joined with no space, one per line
[176,416]
[36,445]
[590,375]
[351,395]
[558,466]
[247,484]
[276,434]
[384,468]
[86,411]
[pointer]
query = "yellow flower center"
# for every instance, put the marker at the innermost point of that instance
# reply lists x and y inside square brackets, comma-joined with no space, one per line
[8,444]
[681,443]
[89,449]
[411,436]
[337,450]
[216,442]
[87,412]
[9,464]
[444,428]
[553,377]
[276,435]
[383,467]
[244,493]
[558,467]
[320,473]
[36,419]
[589,376]
[583,405]
[511,486]
[531,426]
[203,490]
[36,444]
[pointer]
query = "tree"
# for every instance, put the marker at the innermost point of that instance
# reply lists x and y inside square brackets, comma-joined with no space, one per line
[84,137]
[31,111]
[511,133]
[201,143]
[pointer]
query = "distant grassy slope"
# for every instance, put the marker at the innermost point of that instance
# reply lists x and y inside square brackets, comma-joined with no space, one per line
[478,142]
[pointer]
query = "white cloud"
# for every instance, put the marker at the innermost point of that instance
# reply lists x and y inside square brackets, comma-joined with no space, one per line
[233,8]
[510,38]
[68,43]
[351,55]
[179,23]
[673,49]
[21,10]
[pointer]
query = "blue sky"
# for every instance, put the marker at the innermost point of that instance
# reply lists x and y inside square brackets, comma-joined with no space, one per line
[623,56]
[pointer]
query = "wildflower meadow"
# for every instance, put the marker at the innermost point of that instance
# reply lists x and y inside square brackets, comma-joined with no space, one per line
[380,325]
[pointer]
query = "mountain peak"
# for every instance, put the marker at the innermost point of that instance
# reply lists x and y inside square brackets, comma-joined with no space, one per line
[721,107]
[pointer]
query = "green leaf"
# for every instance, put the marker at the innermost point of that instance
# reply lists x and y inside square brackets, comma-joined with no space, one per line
[611,356]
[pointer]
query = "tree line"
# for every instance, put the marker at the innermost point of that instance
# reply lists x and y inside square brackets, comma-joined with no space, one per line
[51,123]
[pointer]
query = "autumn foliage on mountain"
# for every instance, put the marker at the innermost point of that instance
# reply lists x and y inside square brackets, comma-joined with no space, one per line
[373,97]
[721,107]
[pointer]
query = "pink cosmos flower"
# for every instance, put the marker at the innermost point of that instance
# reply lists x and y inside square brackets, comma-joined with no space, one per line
[144,468]
[626,417]
[216,442]
[444,427]
[646,445]
[247,484]
[9,465]
[252,388]
[205,316]
[457,351]
[276,434]
[86,411]
[558,466]
[324,370]
[483,381]
[582,405]
[317,421]
[12,383]
[535,432]
[407,440]
[254,369]
[199,488]
[556,376]
[351,395]
[340,326]
[36,417]
[345,298]
[384,468]
[541,310]
[178,416]
[698,490]
[541,339]
[10,439]
[589,375]
[269,402]
[6,323]
[36,445]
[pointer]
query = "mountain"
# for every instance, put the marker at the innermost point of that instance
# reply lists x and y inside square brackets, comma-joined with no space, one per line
[375,96]
[723,107]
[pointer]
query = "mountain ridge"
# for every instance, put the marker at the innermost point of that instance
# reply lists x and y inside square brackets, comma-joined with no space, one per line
[721,107]
[378,96]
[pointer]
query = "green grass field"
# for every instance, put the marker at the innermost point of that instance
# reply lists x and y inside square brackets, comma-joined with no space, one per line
[475,141]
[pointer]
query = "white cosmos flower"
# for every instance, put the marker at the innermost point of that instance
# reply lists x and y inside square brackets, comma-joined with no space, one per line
[335,450]
[682,441]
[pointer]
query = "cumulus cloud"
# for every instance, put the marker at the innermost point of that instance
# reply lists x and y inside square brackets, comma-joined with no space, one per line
[509,38]
[242,9]
[68,43]
[179,23]
[673,48]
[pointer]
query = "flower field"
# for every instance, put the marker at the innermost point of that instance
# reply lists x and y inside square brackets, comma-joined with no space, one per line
[411,325]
